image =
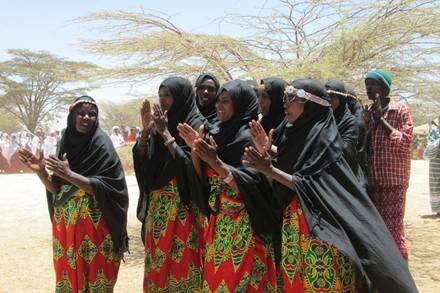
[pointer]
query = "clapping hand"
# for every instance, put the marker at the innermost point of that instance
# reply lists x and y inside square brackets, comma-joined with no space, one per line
[59,167]
[206,151]
[261,141]
[34,163]
[160,119]
[260,162]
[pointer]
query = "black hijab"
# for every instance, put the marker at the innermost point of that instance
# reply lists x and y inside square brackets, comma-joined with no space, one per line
[274,86]
[209,111]
[158,167]
[348,128]
[93,156]
[233,135]
[337,209]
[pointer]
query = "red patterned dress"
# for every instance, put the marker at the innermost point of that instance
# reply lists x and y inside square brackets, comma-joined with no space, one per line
[172,244]
[235,259]
[308,264]
[83,250]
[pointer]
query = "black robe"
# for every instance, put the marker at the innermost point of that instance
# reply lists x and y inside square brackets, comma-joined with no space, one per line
[158,166]
[93,156]
[336,207]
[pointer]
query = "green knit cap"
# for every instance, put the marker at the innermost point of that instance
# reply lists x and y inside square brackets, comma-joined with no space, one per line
[384,77]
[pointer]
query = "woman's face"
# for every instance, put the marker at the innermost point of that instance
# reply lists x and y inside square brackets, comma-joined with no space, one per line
[86,118]
[265,102]
[225,107]
[206,92]
[293,108]
[166,99]
[334,101]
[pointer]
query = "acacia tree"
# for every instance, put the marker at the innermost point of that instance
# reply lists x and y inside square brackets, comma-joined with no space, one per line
[149,45]
[34,85]
[121,114]
[324,39]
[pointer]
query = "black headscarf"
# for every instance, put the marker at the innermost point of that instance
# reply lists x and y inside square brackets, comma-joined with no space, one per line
[274,86]
[209,111]
[337,209]
[92,155]
[232,136]
[158,166]
[347,127]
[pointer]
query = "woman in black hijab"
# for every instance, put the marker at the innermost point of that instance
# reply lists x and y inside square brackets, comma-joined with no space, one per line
[332,235]
[207,86]
[239,253]
[356,109]
[271,102]
[347,126]
[88,201]
[162,165]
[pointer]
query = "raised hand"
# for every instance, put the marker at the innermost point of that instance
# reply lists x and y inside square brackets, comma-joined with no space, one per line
[261,141]
[206,151]
[188,134]
[59,167]
[260,162]
[34,163]
[146,115]
[160,119]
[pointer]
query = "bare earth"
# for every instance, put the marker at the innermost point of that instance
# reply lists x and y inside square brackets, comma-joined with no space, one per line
[26,246]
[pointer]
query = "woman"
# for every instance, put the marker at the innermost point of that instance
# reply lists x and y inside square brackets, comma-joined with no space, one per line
[347,126]
[161,158]
[355,106]
[332,236]
[207,86]
[88,200]
[238,240]
[271,102]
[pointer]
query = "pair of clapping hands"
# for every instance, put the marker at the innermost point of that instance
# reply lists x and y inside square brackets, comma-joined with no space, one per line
[39,164]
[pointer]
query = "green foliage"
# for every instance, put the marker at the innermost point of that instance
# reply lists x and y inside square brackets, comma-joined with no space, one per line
[120,114]
[34,85]
[337,39]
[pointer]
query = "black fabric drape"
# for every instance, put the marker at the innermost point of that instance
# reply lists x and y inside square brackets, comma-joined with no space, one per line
[209,111]
[274,87]
[356,110]
[336,207]
[158,167]
[93,156]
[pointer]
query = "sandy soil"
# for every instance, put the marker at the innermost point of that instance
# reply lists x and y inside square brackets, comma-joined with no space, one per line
[26,248]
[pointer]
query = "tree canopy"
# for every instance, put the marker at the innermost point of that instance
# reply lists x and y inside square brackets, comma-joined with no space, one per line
[34,85]
[324,39]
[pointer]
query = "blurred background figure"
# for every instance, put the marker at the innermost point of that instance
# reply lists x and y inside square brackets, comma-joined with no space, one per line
[116,137]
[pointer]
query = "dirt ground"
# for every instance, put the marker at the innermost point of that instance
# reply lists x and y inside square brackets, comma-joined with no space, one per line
[26,247]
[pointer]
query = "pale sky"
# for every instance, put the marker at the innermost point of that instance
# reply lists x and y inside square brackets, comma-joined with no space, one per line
[47,25]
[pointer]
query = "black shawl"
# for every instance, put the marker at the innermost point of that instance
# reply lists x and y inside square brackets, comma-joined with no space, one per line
[274,87]
[93,156]
[158,167]
[348,129]
[356,110]
[233,135]
[209,112]
[336,207]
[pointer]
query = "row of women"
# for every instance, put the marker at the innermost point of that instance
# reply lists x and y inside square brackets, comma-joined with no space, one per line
[228,202]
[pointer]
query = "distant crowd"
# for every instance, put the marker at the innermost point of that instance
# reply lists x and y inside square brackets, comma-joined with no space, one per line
[46,143]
